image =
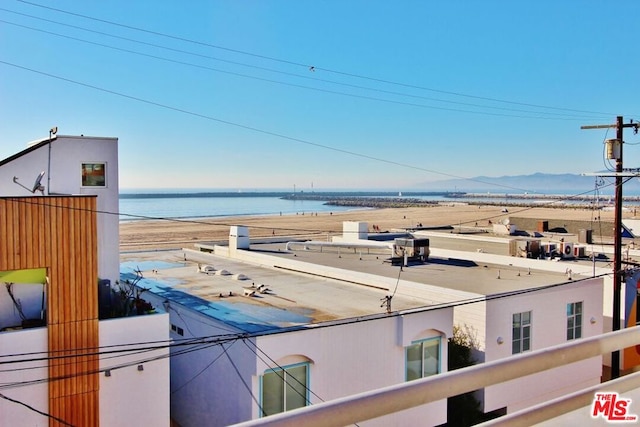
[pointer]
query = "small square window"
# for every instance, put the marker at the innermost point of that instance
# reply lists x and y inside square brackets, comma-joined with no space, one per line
[94,175]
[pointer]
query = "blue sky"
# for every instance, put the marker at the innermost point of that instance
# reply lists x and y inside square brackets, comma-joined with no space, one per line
[221,94]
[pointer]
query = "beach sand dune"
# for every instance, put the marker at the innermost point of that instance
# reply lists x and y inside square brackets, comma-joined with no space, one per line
[164,234]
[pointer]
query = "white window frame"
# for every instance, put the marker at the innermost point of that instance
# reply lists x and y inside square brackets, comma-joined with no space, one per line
[421,344]
[521,341]
[281,372]
[575,314]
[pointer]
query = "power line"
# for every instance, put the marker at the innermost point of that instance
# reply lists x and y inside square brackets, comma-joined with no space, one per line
[208,341]
[235,368]
[258,349]
[196,347]
[254,129]
[83,352]
[31,408]
[186,383]
[560,116]
[298,64]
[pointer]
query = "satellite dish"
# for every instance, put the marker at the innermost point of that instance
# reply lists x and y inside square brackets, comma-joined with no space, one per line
[37,186]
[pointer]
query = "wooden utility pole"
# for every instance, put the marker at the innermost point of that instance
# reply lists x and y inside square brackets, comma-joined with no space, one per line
[617,242]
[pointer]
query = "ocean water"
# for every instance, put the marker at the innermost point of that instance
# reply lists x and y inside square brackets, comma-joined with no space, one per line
[191,204]
[139,208]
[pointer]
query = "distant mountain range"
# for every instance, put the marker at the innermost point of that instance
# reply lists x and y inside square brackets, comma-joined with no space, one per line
[536,183]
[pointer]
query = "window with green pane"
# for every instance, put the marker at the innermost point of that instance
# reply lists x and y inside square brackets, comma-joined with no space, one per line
[422,359]
[284,389]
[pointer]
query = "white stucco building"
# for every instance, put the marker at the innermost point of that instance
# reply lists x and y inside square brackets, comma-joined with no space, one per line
[72,165]
[305,340]
[325,315]
[64,360]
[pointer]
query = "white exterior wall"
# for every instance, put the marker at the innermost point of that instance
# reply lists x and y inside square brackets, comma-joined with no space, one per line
[129,396]
[353,231]
[219,385]
[207,382]
[548,327]
[37,395]
[62,163]
[358,357]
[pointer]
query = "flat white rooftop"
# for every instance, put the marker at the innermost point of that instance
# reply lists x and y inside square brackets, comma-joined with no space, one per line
[291,299]
[354,284]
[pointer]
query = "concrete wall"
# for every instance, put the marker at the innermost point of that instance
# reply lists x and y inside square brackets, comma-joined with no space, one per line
[548,327]
[62,162]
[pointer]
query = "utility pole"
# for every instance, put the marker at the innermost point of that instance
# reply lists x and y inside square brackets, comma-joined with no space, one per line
[614,151]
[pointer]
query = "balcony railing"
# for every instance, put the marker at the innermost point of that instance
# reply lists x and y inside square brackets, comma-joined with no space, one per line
[387,400]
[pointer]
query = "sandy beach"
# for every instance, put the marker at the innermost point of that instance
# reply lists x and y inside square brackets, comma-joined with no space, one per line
[164,234]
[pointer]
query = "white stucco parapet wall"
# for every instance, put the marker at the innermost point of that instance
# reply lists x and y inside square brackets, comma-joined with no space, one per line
[129,396]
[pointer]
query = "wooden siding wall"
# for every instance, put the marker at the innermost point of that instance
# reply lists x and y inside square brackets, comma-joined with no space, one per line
[60,233]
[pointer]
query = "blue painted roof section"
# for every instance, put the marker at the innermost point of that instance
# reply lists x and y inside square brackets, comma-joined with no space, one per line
[245,317]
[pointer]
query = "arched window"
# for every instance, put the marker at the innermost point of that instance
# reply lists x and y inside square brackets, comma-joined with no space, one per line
[284,388]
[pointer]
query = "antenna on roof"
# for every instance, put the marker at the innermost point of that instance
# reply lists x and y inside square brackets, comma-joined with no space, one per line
[37,185]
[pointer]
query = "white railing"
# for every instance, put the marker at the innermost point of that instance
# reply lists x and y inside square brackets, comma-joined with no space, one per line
[387,400]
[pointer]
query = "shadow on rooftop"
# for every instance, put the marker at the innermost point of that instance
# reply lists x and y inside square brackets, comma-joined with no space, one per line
[452,261]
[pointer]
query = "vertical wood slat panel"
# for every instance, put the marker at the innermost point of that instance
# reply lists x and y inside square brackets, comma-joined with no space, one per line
[16,237]
[59,233]
[4,234]
[22,229]
[52,258]
[73,410]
